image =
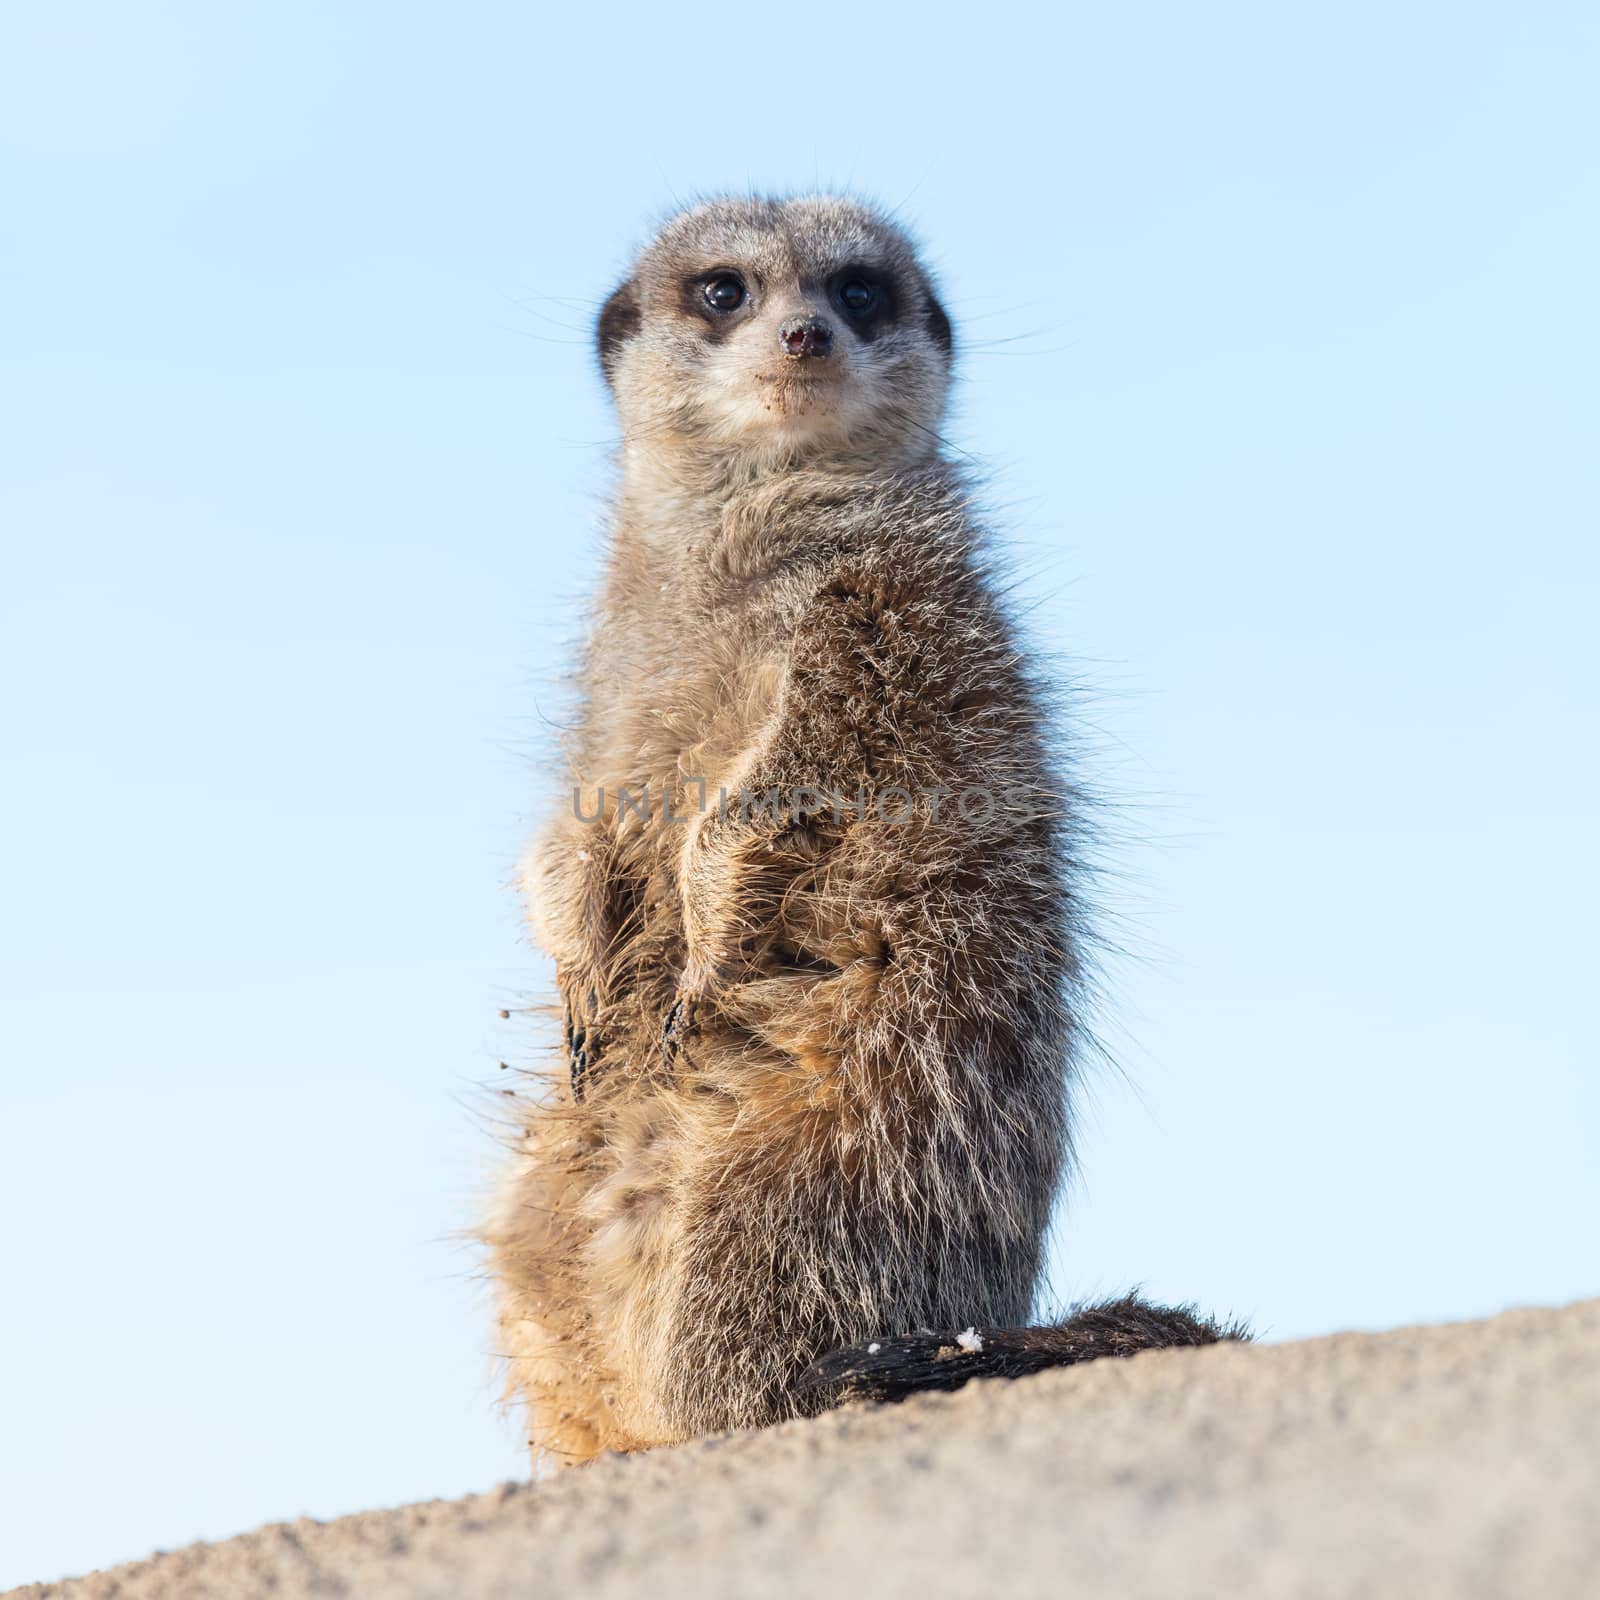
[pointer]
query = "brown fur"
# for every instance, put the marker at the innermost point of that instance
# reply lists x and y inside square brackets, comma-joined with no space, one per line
[815,1082]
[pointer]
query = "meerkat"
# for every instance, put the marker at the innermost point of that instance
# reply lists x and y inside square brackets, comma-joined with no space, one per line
[814,904]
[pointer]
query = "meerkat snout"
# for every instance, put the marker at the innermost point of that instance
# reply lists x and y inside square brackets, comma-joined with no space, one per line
[806,336]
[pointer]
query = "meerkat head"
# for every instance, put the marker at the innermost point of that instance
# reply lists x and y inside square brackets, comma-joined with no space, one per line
[757,333]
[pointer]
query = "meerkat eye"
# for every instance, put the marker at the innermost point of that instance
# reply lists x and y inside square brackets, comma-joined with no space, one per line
[857,297]
[724,292]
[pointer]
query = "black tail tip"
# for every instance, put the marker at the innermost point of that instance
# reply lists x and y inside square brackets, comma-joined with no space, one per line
[893,1367]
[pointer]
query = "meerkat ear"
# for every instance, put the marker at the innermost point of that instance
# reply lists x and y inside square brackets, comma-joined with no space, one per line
[619,321]
[937,322]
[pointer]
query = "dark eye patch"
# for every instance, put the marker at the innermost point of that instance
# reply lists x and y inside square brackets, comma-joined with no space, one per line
[866,298]
[719,298]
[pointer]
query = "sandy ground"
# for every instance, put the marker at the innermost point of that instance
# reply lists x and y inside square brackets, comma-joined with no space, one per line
[1460,1461]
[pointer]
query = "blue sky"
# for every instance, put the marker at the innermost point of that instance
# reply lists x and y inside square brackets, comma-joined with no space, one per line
[1279,341]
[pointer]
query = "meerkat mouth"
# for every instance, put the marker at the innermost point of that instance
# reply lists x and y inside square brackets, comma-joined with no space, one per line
[806,380]
[798,394]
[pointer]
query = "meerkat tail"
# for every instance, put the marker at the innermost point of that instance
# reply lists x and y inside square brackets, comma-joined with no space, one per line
[892,1368]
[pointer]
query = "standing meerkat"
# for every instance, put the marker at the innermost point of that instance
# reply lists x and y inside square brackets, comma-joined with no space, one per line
[813,905]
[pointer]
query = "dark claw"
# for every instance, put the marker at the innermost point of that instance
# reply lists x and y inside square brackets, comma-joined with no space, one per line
[578,1056]
[585,1040]
[677,1028]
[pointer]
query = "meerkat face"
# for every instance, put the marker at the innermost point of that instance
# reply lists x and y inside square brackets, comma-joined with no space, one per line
[779,331]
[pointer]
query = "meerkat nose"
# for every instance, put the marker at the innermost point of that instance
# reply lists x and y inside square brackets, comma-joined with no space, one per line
[806,336]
